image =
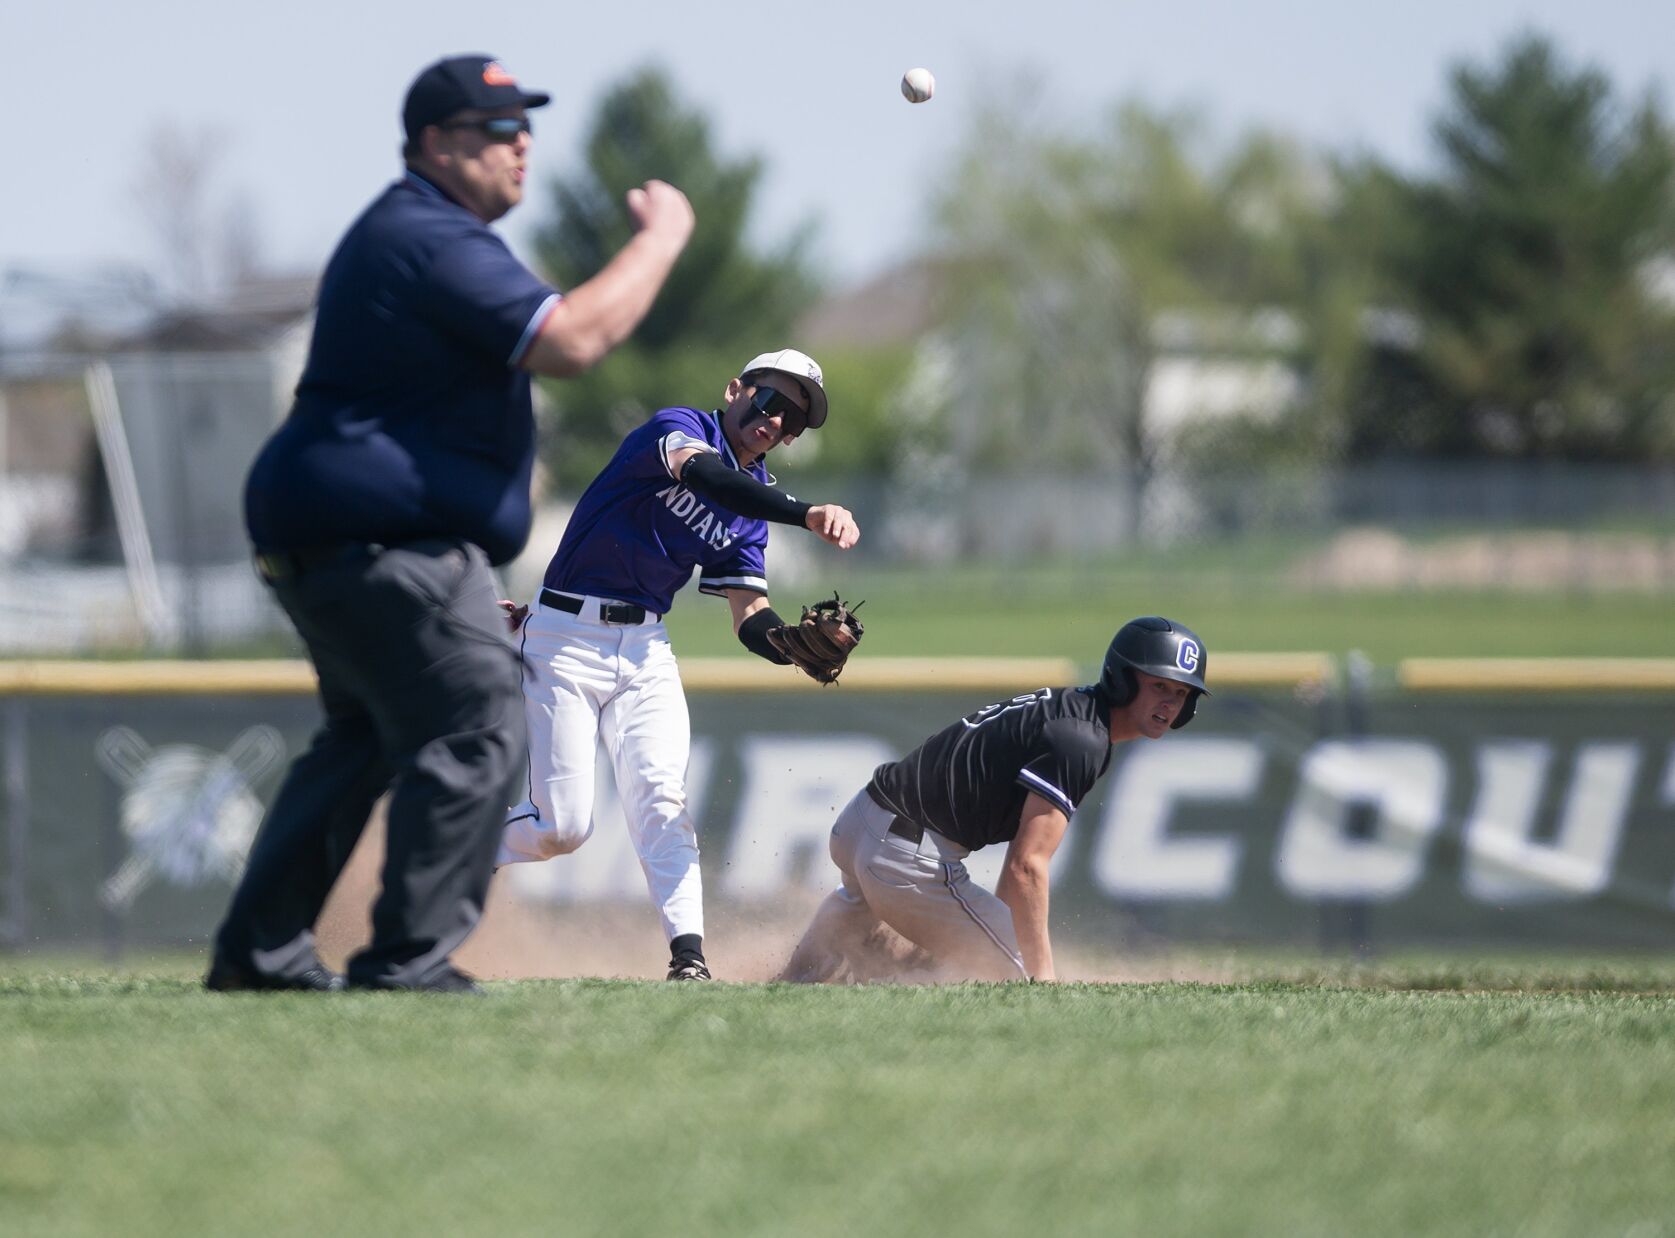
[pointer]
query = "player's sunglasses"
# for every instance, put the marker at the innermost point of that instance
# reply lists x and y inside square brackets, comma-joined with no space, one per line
[496,128]
[770,403]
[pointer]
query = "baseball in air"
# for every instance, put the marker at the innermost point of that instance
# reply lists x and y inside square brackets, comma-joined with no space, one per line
[917,85]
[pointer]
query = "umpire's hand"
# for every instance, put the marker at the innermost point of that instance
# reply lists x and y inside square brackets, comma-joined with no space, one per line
[659,207]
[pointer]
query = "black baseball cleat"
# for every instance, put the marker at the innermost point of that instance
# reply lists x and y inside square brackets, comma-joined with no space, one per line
[688,969]
[448,980]
[225,977]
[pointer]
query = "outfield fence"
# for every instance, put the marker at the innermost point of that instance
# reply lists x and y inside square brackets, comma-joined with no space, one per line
[1313,801]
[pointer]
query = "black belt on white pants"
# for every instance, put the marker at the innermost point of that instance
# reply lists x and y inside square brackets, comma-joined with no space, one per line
[609,612]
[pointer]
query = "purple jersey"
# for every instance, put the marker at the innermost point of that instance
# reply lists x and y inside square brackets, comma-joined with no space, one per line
[637,533]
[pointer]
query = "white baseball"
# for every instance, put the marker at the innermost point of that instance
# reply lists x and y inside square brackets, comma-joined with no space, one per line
[917,85]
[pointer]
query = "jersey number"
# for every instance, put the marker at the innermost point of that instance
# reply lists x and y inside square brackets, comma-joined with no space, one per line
[994,711]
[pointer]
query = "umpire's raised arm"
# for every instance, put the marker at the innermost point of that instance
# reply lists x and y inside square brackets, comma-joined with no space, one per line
[600,314]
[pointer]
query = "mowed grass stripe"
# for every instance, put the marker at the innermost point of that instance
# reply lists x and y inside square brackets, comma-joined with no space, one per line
[1072,615]
[144,1106]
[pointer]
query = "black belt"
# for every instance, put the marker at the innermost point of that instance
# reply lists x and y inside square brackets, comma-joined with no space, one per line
[609,612]
[901,827]
[276,565]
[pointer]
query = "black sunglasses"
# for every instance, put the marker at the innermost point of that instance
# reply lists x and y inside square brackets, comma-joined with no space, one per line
[496,128]
[770,403]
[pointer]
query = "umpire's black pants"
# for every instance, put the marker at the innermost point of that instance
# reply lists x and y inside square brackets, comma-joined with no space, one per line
[421,692]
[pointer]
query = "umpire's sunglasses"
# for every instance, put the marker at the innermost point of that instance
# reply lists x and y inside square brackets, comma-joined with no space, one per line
[770,403]
[496,128]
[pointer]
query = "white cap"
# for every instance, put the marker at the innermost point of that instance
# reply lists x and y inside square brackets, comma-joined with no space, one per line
[804,369]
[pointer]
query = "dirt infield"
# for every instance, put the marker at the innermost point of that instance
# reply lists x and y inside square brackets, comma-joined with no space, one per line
[523,940]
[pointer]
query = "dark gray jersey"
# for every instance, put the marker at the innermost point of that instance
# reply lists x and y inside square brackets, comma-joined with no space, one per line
[969,780]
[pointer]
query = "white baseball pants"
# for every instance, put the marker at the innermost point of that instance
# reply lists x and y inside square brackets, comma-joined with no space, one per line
[585,683]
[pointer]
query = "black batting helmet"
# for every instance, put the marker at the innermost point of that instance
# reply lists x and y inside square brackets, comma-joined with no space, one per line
[1158,647]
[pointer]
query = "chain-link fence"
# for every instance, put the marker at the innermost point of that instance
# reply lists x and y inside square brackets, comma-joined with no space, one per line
[1396,526]
[121,526]
[120,508]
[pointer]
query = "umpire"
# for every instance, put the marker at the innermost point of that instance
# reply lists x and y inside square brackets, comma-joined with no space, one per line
[377,510]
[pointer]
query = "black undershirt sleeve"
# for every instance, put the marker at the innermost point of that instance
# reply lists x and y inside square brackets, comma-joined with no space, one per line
[753,635]
[707,474]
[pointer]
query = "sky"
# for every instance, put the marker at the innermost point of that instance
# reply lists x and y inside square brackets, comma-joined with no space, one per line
[301,99]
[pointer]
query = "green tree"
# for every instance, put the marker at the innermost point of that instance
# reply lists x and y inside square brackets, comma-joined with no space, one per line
[1083,260]
[1527,265]
[723,302]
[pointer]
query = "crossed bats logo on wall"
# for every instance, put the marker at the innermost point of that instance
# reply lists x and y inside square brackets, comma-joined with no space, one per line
[189,813]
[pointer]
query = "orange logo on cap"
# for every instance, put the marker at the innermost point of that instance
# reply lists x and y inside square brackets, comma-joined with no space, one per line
[494,75]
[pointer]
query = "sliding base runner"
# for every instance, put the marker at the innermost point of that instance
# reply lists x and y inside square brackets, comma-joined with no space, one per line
[1012,773]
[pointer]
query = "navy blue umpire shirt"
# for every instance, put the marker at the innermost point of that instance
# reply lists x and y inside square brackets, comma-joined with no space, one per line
[412,418]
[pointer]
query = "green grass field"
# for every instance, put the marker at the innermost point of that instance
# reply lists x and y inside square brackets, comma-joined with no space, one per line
[1408,1098]
[1294,1096]
[1237,604]
[1061,612]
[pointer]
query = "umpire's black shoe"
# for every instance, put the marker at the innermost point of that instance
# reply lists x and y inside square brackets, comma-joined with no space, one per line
[225,977]
[448,980]
[688,969]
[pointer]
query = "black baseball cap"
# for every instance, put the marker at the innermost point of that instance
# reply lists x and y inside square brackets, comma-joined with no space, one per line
[460,82]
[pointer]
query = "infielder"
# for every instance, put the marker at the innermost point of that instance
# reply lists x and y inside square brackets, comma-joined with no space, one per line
[688,489]
[1009,773]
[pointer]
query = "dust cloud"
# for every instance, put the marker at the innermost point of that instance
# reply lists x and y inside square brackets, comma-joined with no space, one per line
[518,939]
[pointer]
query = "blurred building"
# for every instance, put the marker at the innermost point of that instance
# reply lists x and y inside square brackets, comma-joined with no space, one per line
[1206,366]
[124,442]
[47,309]
[1186,474]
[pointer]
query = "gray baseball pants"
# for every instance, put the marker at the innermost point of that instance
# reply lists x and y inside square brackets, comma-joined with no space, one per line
[920,889]
[420,688]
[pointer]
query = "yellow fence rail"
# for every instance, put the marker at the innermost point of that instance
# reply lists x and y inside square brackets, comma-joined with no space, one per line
[1536,674]
[745,674]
